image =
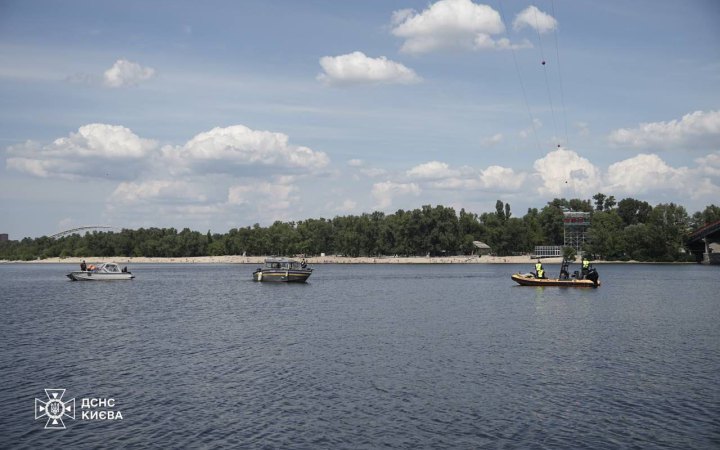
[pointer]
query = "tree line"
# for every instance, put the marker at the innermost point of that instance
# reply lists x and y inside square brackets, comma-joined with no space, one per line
[628,229]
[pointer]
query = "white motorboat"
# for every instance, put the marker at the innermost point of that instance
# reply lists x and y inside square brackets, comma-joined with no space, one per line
[103,272]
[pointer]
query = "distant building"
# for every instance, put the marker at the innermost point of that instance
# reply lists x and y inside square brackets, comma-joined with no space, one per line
[547,251]
[4,237]
[482,248]
[576,225]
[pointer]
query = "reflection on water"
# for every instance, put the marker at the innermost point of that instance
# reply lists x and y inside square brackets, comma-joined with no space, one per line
[365,356]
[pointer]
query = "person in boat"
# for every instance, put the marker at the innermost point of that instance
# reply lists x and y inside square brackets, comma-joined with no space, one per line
[83,266]
[303,263]
[564,274]
[539,271]
[585,267]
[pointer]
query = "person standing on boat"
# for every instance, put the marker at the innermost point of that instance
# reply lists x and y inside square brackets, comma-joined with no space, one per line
[83,266]
[585,267]
[539,271]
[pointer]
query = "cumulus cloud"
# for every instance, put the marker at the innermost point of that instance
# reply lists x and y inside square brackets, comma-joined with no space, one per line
[709,164]
[643,173]
[362,168]
[449,24]
[95,150]
[501,178]
[263,195]
[156,191]
[386,191]
[431,170]
[126,73]
[533,18]
[357,68]
[224,149]
[493,178]
[698,129]
[564,170]
[649,174]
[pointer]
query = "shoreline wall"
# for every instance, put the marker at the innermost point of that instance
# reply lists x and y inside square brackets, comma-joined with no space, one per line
[235,259]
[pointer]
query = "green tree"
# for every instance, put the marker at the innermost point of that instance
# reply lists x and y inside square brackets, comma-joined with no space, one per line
[633,211]
[710,214]
[606,238]
[599,201]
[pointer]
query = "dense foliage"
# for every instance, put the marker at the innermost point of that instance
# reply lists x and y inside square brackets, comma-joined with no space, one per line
[629,229]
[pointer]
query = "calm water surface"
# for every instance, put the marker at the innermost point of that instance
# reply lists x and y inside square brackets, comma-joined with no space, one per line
[365,356]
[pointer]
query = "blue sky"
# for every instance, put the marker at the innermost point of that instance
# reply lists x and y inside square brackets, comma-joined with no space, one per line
[221,114]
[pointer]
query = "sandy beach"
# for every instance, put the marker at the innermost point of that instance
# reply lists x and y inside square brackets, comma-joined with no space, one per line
[330,259]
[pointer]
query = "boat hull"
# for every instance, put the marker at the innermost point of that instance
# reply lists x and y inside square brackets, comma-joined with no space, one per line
[279,275]
[530,280]
[84,275]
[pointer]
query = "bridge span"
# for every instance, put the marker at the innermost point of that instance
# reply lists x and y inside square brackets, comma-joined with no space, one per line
[704,243]
[83,230]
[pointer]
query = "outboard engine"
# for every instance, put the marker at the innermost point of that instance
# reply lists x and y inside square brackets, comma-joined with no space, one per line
[592,275]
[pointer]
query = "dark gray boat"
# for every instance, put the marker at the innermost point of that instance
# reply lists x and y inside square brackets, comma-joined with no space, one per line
[283,269]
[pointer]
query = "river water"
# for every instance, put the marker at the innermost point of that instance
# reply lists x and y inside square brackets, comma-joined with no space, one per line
[363,356]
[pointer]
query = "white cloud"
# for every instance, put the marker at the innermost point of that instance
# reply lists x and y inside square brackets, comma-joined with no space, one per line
[386,191]
[126,73]
[347,206]
[695,130]
[536,125]
[357,68]
[564,170]
[263,196]
[431,170]
[533,18]
[96,150]
[449,24]
[485,42]
[710,164]
[643,173]
[224,149]
[373,172]
[493,140]
[370,172]
[493,178]
[583,128]
[156,191]
[649,174]
[501,178]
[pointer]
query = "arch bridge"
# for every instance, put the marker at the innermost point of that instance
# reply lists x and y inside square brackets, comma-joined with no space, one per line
[84,230]
[703,243]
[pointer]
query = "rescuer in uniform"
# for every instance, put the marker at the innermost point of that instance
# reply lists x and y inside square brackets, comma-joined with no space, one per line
[585,266]
[539,271]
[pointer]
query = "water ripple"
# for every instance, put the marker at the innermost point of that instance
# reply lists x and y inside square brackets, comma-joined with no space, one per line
[446,356]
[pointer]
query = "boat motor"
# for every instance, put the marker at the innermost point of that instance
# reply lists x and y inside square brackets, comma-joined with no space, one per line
[592,275]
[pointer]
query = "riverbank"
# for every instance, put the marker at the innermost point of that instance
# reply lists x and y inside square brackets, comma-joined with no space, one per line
[236,259]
